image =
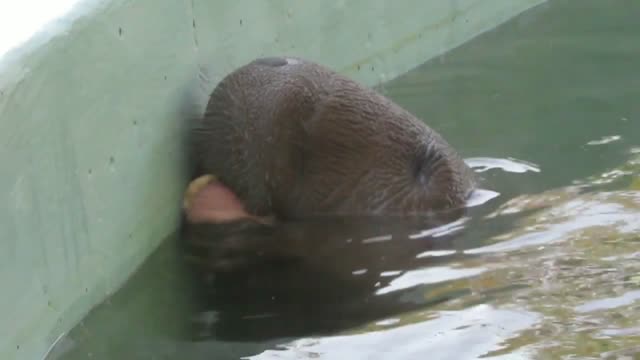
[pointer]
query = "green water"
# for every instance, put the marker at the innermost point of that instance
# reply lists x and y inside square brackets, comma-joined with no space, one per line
[549,269]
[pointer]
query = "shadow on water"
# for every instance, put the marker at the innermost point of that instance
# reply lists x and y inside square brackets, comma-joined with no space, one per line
[320,276]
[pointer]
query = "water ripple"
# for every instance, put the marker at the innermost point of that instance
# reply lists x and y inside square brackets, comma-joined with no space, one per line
[605,140]
[609,303]
[427,276]
[483,328]
[481,196]
[482,164]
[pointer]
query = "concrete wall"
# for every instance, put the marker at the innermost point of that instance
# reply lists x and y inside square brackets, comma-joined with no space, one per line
[91,123]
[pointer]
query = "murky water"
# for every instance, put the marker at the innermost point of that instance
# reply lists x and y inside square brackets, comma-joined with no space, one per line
[546,265]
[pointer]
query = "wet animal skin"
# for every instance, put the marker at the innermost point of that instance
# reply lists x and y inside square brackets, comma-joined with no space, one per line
[287,139]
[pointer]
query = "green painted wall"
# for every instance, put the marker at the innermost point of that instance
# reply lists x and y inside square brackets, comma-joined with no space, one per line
[92,114]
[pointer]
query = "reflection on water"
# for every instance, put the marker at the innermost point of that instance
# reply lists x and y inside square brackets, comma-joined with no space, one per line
[430,275]
[604,140]
[481,328]
[326,275]
[603,304]
[481,196]
[510,165]
[544,265]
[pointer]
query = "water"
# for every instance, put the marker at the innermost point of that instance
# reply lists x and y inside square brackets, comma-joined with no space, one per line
[546,266]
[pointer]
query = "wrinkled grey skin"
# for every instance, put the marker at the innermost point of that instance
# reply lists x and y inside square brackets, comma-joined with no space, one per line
[295,139]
